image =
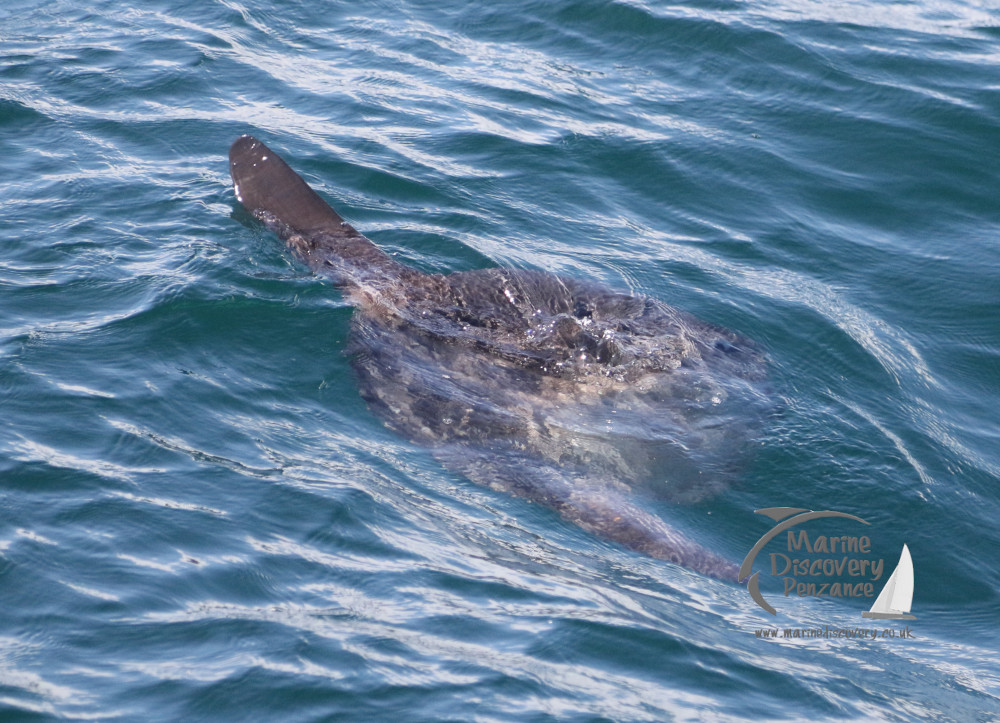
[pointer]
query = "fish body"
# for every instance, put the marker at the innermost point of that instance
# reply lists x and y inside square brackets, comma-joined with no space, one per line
[558,390]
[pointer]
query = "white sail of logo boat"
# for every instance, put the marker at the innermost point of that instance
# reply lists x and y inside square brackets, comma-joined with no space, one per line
[893,603]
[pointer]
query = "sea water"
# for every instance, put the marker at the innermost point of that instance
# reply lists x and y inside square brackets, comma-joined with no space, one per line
[201,520]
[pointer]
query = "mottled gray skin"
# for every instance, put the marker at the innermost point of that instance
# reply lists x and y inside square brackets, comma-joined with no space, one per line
[557,390]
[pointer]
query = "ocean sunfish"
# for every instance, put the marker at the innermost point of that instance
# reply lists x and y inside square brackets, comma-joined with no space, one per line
[558,390]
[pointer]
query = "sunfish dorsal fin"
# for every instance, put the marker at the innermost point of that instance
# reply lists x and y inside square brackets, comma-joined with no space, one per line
[268,187]
[275,194]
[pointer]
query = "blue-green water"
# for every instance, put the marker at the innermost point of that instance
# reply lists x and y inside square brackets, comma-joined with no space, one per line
[201,520]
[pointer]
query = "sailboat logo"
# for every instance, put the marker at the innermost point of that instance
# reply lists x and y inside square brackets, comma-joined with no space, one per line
[893,603]
[808,564]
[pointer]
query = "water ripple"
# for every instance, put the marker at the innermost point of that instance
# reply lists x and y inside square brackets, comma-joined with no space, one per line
[201,519]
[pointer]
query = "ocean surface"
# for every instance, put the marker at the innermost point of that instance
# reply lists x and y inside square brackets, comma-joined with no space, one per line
[200,519]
